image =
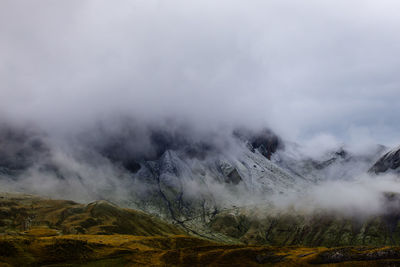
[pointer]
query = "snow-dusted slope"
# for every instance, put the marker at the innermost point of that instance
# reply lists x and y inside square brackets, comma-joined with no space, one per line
[183,188]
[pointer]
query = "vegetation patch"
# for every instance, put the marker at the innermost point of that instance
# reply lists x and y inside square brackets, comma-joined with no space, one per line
[7,249]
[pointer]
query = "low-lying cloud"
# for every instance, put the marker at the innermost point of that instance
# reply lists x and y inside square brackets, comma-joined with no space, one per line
[360,197]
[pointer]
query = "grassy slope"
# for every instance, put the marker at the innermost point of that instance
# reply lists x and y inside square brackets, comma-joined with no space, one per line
[317,229]
[41,232]
[128,250]
[20,213]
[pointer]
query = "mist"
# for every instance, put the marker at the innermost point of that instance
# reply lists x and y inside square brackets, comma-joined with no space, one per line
[361,197]
[98,92]
[301,69]
[108,163]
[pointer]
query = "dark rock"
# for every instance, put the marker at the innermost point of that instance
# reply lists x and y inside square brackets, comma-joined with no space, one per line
[265,140]
[389,161]
[131,166]
[233,177]
[180,140]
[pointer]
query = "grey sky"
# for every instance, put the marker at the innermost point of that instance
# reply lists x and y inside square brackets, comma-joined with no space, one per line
[307,69]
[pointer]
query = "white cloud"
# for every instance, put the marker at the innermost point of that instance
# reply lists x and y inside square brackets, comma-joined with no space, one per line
[302,68]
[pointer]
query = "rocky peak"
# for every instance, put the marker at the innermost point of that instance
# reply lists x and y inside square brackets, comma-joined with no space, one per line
[265,141]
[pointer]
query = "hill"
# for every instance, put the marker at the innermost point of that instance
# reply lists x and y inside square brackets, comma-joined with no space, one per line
[32,215]
[37,231]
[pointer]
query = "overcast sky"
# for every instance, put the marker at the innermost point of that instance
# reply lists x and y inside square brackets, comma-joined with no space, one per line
[310,70]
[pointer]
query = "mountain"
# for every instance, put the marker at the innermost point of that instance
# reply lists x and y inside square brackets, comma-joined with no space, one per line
[189,179]
[180,182]
[176,174]
[388,162]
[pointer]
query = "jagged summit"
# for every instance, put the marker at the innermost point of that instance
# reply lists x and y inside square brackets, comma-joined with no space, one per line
[265,141]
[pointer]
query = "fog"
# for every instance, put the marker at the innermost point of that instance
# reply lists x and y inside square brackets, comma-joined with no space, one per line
[97,79]
[358,198]
[97,164]
[302,69]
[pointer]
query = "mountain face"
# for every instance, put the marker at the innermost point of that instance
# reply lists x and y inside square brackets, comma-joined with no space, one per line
[187,178]
[173,173]
[190,190]
[388,162]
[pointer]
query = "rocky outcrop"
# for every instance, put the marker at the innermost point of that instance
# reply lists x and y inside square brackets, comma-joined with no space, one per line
[265,141]
[388,162]
[233,177]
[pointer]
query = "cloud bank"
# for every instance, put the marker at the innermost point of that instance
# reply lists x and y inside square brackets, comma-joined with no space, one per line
[304,69]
